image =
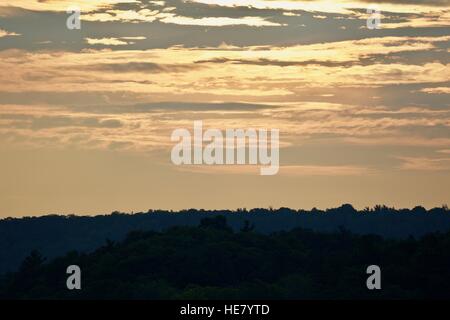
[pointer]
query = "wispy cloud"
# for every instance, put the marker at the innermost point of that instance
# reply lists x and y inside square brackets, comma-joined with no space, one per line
[289,171]
[437,90]
[114,41]
[425,164]
[4,33]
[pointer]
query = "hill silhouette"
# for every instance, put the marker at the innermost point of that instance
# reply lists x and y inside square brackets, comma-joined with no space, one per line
[212,261]
[54,235]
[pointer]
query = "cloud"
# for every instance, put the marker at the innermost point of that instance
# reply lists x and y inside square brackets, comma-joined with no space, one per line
[106,41]
[220,21]
[290,171]
[148,15]
[345,7]
[315,170]
[144,67]
[425,164]
[426,21]
[366,90]
[120,145]
[171,106]
[437,90]
[113,41]
[242,72]
[207,25]
[442,3]
[279,63]
[4,33]
[62,5]
[40,122]
[134,16]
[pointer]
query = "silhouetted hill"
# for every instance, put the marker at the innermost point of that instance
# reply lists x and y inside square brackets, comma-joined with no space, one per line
[54,235]
[214,262]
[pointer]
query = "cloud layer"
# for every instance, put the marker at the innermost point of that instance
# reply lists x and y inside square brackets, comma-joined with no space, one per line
[352,104]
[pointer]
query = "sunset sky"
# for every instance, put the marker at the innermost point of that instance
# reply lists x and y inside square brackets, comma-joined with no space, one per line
[86,115]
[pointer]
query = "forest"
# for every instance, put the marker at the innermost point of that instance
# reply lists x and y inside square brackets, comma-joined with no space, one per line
[54,235]
[215,261]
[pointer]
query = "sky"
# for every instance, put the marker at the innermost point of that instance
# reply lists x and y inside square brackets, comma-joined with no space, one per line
[86,115]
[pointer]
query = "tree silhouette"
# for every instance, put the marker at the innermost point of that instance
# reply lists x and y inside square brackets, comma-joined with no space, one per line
[212,261]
